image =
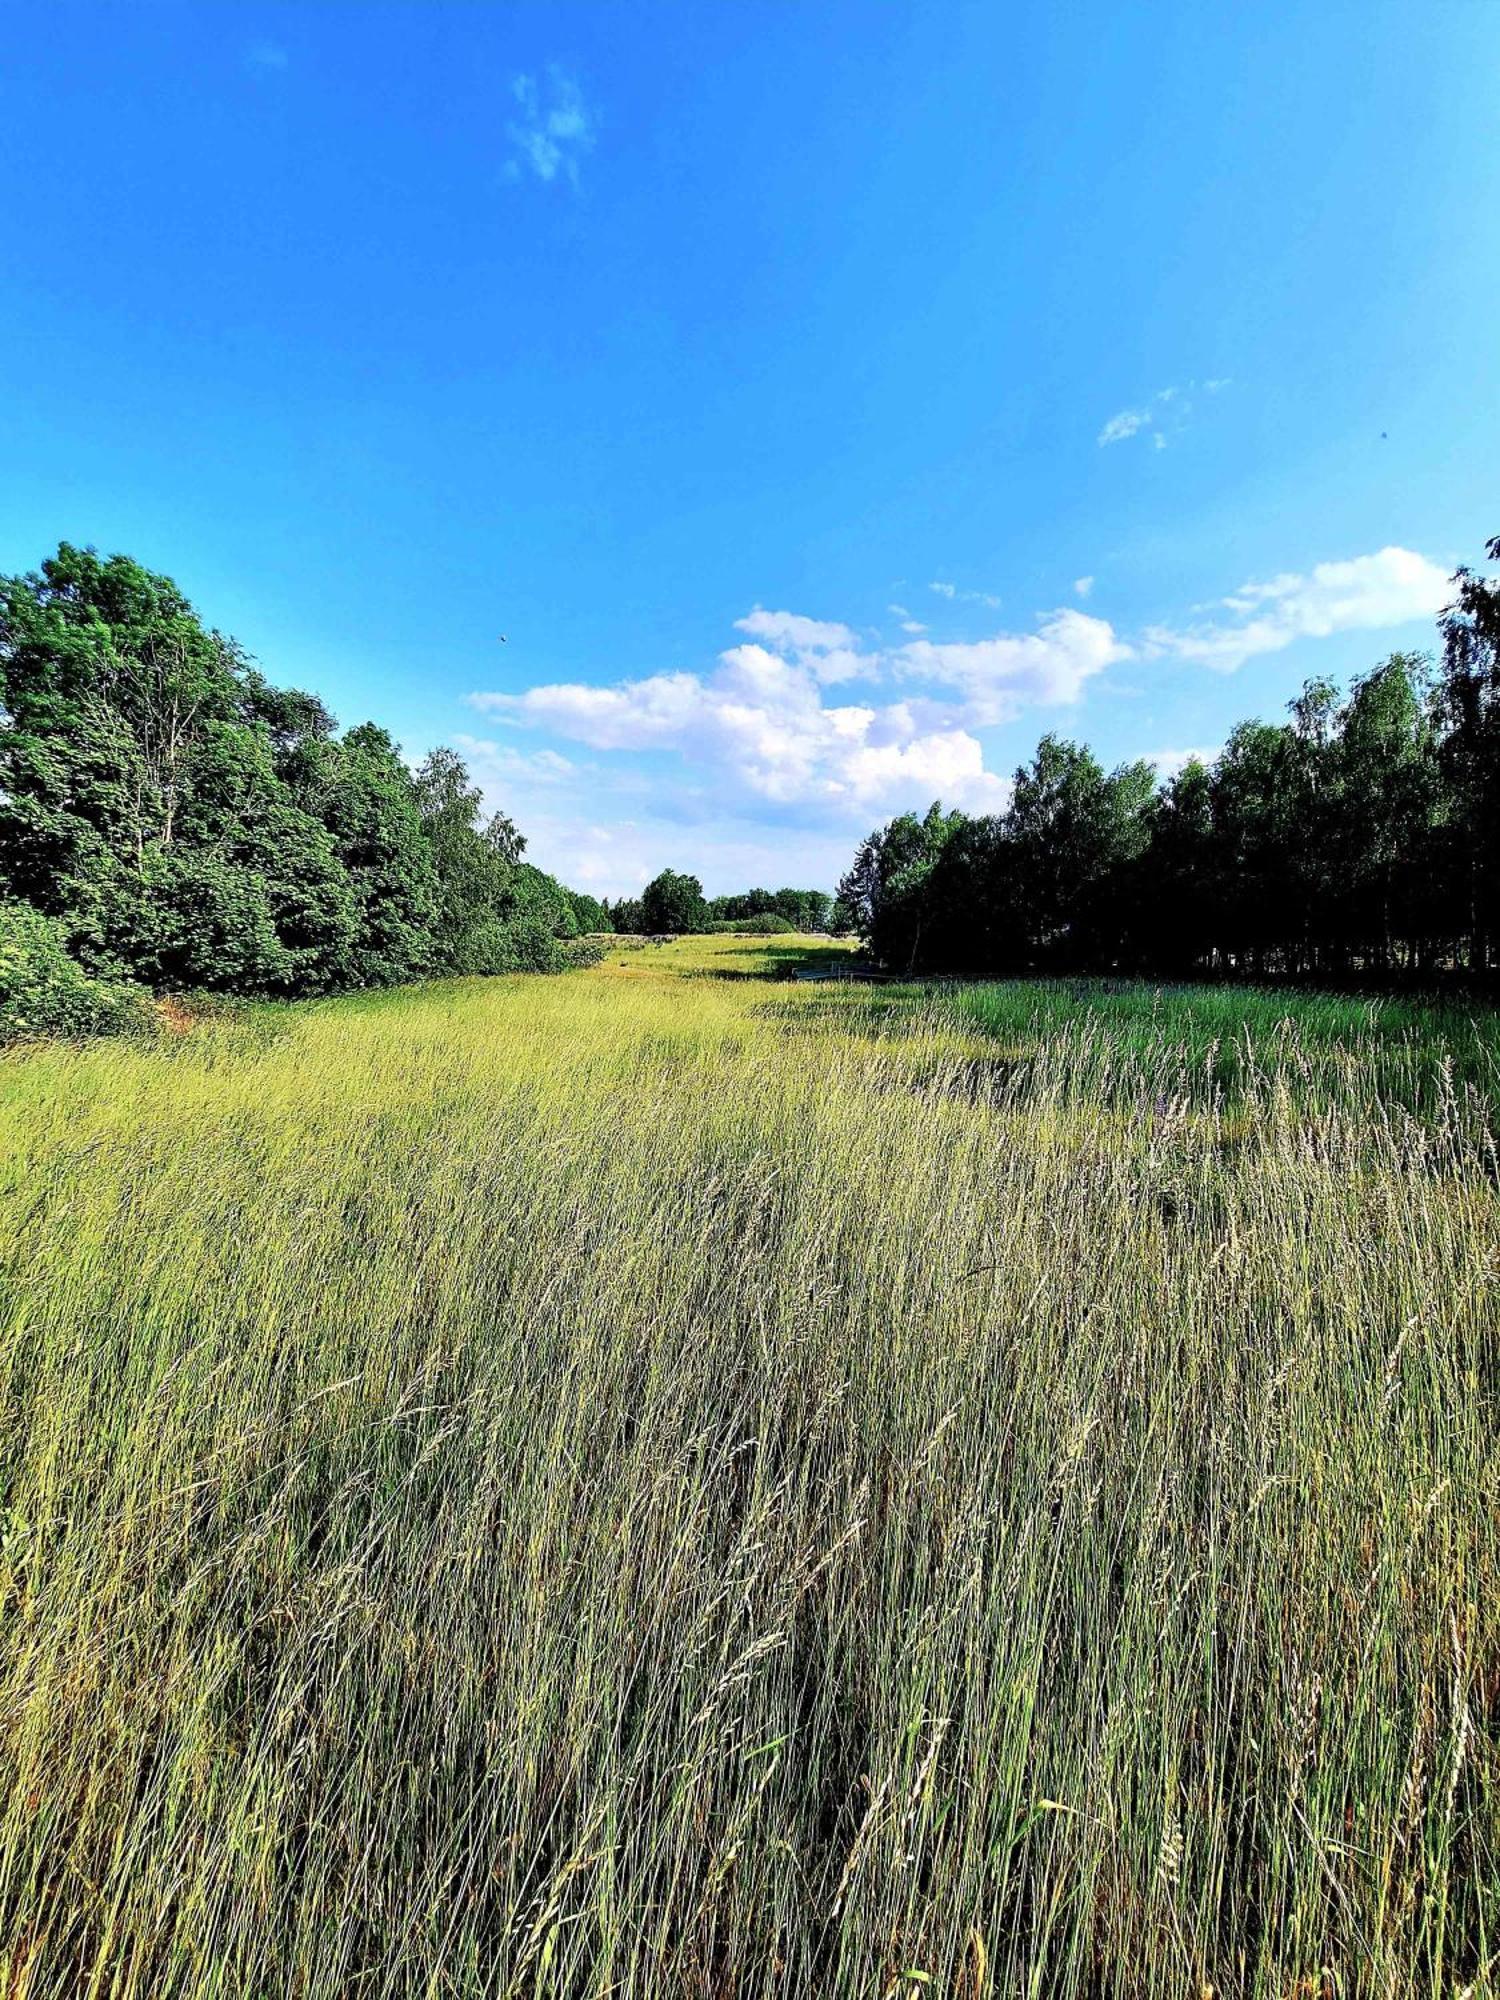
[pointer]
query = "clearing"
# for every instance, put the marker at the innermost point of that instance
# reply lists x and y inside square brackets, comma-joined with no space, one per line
[675,1480]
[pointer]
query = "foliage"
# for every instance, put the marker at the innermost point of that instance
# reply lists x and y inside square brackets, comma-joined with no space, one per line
[1359,839]
[804,910]
[44,992]
[190,825]
[669,1485]
[590,915]
[765,923]
[673,902]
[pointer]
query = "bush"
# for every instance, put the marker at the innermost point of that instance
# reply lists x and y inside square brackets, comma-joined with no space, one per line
[766,924]
[581,952]
[45,992]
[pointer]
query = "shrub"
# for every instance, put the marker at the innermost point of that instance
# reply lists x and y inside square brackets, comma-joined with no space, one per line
[45,992]
[581,952]
[766,924]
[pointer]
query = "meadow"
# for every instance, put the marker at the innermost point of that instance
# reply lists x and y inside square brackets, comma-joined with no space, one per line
[675,1480]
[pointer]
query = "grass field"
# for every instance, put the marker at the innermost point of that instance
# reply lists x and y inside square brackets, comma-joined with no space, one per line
[664,1481]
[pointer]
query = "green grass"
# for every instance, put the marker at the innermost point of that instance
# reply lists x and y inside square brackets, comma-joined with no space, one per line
[652,1483]
[1411,1053]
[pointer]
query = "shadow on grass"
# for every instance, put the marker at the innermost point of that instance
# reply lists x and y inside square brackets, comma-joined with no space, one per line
[777,962]
[856,1009]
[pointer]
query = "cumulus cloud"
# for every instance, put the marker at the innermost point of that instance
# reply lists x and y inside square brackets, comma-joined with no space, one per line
[829,651]
[1082,585]
[1394,586]
[759,725]
[552,130]
[759,729]
[768,751]
[1001,676]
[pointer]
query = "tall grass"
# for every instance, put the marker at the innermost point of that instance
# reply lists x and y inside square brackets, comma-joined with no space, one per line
[641,1484]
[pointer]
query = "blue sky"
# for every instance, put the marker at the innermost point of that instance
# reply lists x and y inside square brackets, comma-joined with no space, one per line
[824,400]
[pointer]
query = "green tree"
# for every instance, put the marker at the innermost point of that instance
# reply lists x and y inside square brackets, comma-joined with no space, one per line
[1070,832]
[141,801]
[1177,886]
[590,916]
[673,902]
[371,806]
[1469,706]
[473,861]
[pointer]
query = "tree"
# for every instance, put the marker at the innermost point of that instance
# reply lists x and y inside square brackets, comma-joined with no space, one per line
[1070,833]
[1178,890]
[1360,837]
[673,903]
[139,795]
[188,823]
[1383,855]
[371,807]
[883,892]
[1469,705]
[590,916]
[472,864]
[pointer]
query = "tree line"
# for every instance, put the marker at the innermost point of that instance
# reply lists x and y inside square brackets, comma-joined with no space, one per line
[675,902]
[172,820]
[1360,839]
[169,816]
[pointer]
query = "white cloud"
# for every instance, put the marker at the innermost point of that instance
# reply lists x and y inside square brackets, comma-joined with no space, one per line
[1169,762]
[1394,586]
[1001,676]
[954,595]
[1124,424]
[829,651]
[758,731]
[541,767]
[553,129]
[758,728]
[1082,585]
[755,767]
[1175,401]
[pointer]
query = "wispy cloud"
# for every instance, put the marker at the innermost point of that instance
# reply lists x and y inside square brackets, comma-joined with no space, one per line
[956,596]
[1394,586]
[1166,412]
[266,56]
[553,128]
[1082,586]
[1124,424]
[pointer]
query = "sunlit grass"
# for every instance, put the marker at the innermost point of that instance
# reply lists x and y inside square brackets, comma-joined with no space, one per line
[656,1483]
